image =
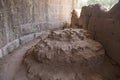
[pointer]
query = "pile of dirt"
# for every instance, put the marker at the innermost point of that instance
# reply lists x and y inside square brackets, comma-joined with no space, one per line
[64,55]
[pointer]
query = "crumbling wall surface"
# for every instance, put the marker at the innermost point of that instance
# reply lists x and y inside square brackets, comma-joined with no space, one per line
[22,17]
[114,12]
[64,55]
[90,12]
[106,29]
[108,32]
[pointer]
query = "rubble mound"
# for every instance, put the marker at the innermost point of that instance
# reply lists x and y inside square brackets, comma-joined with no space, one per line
[63,55]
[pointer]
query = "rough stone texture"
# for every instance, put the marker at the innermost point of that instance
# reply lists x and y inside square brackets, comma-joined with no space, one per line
[21,17]
[88,12]
[3,38]
[1,53]
[17,71]
[26,38]
[42,34]
[10,47]
[114,13]
[63,55]
[74,19]
[105,28]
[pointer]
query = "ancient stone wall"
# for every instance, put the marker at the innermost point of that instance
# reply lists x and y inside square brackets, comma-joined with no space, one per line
[105,27]
[108,32]
[22,17]
[22,21]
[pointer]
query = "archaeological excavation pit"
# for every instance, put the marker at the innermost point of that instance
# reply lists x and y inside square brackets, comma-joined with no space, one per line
[59,40]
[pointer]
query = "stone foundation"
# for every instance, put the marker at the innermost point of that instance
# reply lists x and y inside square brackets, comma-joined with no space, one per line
[7,49]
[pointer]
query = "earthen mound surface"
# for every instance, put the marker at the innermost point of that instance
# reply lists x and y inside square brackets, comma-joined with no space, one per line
[64,55]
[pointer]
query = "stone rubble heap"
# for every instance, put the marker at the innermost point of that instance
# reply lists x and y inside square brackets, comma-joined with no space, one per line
[63,55]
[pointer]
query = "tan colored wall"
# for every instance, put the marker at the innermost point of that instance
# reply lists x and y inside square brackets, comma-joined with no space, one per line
[107,31]
[105,28]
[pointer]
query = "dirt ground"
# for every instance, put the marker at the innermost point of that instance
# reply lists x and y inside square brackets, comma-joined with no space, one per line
[10,64]
[11,67]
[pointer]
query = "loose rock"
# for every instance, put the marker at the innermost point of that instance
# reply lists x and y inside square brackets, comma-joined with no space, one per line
[63,55]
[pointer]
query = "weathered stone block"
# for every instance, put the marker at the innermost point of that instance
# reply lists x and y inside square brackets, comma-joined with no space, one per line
[26,29]
[54,25]
[1,53]
[43,26]
[42,34]
[40,11]
[10,47]
[54,13]
[26,38]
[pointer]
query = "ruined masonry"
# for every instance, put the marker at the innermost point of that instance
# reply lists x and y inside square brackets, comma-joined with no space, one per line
[62,56]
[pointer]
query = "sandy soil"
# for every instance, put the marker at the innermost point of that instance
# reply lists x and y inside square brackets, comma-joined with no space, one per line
[11,63]
[11,67]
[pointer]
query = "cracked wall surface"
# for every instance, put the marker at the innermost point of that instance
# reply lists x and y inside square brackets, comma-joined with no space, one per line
[22,17]
[104,26]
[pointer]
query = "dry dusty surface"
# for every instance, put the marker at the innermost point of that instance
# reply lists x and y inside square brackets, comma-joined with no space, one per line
[64,55]
[11,63]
